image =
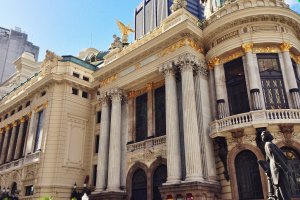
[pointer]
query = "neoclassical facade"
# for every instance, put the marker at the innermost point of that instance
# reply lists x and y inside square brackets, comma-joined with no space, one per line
[177,114]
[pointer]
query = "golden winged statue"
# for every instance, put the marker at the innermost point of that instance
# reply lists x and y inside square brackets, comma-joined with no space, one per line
[125,31]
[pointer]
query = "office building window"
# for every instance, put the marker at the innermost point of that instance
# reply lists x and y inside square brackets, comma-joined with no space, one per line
[76,74]
[86,78]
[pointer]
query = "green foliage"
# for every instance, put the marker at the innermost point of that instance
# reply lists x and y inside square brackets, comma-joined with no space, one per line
[74,198]
[46,198]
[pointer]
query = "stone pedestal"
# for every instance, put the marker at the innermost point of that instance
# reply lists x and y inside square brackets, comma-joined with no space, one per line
[198,190]
[108,196]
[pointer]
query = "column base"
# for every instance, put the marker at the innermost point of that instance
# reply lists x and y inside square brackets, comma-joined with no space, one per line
[198,190]
[108,196]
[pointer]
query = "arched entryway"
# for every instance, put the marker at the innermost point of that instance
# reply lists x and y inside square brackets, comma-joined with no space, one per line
[294,164]
[139,185]
[248,176]
[159,177]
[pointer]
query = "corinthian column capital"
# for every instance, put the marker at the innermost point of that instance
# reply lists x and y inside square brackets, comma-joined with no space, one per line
[104,99]
[167,69]
[116,94]
[247,47]
[186,62]
[285,46]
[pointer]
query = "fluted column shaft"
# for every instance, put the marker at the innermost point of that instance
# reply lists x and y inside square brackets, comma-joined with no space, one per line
[124,141]
[190,125]
[102,165]
[220,90]
[11,143]
[114,160]
[252,75]
[290,75]
[5,145]
[2,136]
[130,119]
[19,139]
[172,126]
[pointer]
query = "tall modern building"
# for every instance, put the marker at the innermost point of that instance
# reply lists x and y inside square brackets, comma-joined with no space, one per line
[12,44]
[176,114]
[150,13]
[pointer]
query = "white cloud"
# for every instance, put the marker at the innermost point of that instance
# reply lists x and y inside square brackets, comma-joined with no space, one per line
[292,2]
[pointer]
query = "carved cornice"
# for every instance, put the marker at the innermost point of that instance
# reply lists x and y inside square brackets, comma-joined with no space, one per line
[108,80]
[224,59]
[135,93]
[247,47]
[285,46]
[267,49]
[187,41]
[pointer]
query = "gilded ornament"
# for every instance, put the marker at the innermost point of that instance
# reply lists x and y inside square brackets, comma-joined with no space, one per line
[125,31]
[285,46]
[15,123]
[108,80]
[232,56]
[45,105]
[1,130]
[23,119]
[268,49]
[138,66]
[215,61]
[149,86]
[247,47]
[7,127]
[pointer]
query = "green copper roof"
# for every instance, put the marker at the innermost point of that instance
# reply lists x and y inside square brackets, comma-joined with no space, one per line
[79,62]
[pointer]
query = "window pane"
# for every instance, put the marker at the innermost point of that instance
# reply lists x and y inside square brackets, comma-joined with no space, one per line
[141,118]
[160,111]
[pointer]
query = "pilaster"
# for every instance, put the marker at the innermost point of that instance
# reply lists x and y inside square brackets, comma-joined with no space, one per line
[12,147]
[19,139]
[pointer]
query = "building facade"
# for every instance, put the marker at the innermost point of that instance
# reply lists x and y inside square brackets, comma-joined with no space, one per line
[12,44]
[176,114]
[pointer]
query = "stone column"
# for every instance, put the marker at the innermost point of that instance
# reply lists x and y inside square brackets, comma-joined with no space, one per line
[172,125]
[253,79]
[11,148]
[191,131]
[124,137]
[114,160]
[19,139]
[30,135]
[5,144]
[212,92]
[290,74]
[150,133]
[29,116]
[2,135]
[102,165]
[220,88]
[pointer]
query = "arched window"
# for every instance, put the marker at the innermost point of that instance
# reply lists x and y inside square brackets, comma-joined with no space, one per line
[248,177]
[272,81]
[139,185]
[294,164]
[159,177]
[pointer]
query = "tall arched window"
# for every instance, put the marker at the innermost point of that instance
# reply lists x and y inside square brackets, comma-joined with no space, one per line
[248,177]
[159,177]
[139,185]
[236,87]
[294,164]
[272,81]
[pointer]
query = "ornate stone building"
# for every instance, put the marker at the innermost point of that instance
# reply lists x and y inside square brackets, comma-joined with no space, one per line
[176,114]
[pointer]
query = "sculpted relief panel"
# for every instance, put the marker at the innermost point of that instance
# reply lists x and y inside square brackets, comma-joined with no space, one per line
[74,149]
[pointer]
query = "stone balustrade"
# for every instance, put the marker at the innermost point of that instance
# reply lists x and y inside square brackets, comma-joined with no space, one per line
[30,158]
[146,143]
[235,6]
[254,118]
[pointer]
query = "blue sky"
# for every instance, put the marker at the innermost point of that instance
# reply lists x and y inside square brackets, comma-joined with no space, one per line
[68,26]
